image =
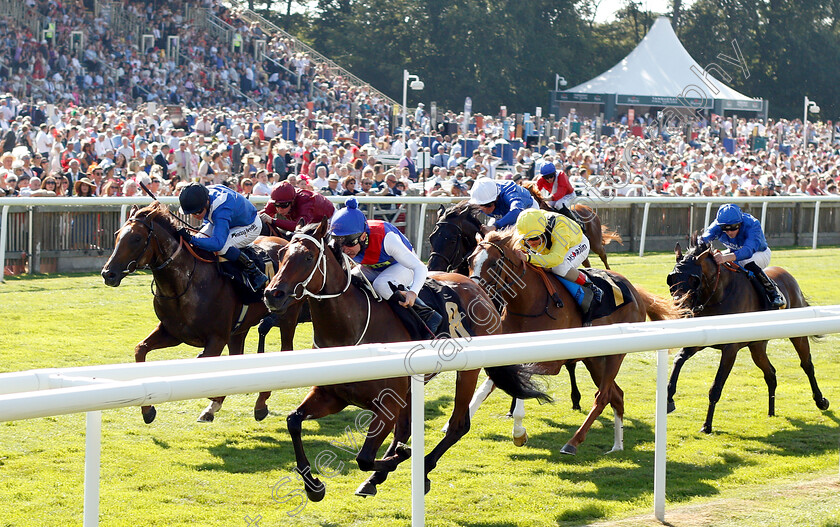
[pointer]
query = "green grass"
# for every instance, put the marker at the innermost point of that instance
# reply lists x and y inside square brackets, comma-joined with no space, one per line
[753,470]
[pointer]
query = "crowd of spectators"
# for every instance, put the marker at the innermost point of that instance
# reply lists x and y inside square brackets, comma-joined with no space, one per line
[103,115]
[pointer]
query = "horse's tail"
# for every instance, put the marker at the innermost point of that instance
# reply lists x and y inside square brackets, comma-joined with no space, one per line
[608,235]
[661,308]
[516,381]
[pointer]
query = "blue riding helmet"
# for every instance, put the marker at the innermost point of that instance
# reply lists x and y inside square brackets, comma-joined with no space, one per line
[349,220]
[729,214]
[547,169]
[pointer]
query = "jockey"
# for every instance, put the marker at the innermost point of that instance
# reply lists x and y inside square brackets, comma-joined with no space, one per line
[289,205]
[742,235]
[502,201]
[386,257]
[230,222]
[557,243]
[556,189]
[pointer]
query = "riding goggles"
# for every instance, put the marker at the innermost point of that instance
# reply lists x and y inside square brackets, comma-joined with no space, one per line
[349,241]
[731,227]
[282,204]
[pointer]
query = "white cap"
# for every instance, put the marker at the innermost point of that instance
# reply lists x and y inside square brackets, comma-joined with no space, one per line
[484,190]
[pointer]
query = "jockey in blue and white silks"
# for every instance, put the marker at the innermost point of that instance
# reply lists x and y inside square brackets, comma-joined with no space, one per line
[502,201]
[230,222]
[744,238]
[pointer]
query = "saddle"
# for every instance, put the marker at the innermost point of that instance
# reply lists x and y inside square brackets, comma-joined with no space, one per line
[616,294]
[234,272]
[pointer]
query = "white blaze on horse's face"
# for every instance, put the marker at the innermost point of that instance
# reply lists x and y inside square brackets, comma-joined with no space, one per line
[480,260]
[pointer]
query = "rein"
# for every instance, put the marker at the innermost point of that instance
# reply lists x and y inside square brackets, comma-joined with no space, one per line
[729,266]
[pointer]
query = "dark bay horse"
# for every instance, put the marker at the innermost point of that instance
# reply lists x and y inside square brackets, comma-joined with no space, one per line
[528,307]
[194,303]
[704,287]
[344,314]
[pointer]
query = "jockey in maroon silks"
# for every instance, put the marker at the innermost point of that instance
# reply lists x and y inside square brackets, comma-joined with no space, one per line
[289,205]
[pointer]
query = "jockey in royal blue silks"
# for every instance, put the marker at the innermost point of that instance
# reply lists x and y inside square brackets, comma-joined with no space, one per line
[501,200]
[386,257]
[230,222]
[742,235]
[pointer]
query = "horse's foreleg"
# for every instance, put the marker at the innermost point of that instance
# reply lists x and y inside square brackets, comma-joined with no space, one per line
[605,395]
[157,339]
[459,422]
[213,348]
[682,356]
[317,404]
[803,348]
[479,397]
[727,360]
[758,350]
[617,403]
[402,431]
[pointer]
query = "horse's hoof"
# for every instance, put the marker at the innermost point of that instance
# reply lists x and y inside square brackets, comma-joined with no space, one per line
[521,440]
[206,417]
[576,406]
[318,492]
[402,452]
[706,429]
[568,450]
[823,404]
[366,489]
[149,416]
[671,406]
[428,485]
[260,413]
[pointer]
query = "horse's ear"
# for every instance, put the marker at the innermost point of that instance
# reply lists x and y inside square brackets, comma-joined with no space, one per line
[678,252]
[321,231]
[441,210]
[301,222]
[134,209]
[478,237]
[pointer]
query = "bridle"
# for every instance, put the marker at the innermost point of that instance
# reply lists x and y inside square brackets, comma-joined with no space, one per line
[459,235]
[702,279]
[152,234]
[321,265]
[503,262]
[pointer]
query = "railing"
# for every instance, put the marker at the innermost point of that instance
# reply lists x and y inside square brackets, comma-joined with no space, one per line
[49,392]
[76,234]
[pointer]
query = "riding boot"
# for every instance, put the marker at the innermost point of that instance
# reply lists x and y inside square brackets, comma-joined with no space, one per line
[411,320]
[256,279]
[590,292]
[432,318]
[771,290]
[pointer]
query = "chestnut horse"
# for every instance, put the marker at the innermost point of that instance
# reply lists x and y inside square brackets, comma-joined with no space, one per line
[704,287]
[345,314]
[528,306]
[194,303]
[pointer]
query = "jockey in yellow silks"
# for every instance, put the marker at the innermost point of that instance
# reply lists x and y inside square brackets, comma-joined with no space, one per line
[554,242]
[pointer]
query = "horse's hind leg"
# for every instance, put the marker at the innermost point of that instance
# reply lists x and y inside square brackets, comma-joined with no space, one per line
[157,339]
[803,348]
[318,403]
[575,394]
[604,397]
[617,403]
[479,397]
[758,350]
[459,422]
[682,357]
[402,431]
[727,360]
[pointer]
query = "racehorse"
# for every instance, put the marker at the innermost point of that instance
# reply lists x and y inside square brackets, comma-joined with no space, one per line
[344,314]
[194,303]
[704,287]
[530,306]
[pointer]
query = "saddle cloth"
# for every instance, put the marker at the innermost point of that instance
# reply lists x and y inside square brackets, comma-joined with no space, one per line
[616,294]
[233,271]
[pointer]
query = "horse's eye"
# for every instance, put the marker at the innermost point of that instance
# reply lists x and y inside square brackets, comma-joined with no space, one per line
[309,257]
[135,238]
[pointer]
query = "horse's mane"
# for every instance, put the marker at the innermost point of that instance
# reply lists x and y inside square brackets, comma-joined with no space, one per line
[158,212]
[506,238]
[696,246]
[463,210]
